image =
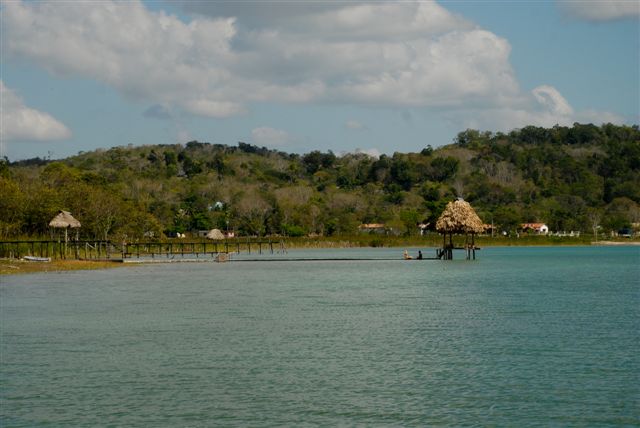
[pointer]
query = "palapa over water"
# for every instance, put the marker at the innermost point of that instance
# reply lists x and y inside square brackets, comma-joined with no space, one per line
[459,217]
[64,220]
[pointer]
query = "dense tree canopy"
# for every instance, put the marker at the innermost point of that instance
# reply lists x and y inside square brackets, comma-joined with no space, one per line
[567,177]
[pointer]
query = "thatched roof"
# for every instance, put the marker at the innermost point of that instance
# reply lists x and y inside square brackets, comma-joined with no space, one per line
[215,234]
[64,219]
[459,217]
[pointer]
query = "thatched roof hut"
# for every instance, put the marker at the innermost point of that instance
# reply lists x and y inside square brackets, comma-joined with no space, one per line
[459,217]
[215,234]
[64,220]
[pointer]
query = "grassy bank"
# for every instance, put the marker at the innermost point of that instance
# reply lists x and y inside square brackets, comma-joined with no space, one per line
[14,266]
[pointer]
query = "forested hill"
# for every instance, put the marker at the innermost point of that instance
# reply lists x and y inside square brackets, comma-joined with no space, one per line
[568,177]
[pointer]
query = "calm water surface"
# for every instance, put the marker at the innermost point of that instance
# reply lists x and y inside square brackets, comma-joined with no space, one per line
[520,337]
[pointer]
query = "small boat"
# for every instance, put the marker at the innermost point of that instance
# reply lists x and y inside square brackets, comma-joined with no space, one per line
[36,259]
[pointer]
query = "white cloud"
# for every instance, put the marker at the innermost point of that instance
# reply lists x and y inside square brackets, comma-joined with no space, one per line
[334,18]
[409,54]
[386,53]
[261,13]
[265,136]
[211,108]
[552,101]
[145,55]
[601,10]
[544,107]
[21,123]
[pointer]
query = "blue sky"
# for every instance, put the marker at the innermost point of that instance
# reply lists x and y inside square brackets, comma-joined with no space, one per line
[305,75]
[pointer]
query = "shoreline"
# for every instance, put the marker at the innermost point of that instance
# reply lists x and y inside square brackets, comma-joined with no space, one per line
[616,243]
[20,266]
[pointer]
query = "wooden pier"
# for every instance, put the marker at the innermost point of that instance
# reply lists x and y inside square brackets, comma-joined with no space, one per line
[200,248]
[108,250]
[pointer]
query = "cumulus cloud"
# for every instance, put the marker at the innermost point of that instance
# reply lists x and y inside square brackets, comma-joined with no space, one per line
[371,20]
[384,53]
[228,55]
[601,10]
[261,13]
[544,106]
[22,123]
[265,136]
[145,55]
[552,101]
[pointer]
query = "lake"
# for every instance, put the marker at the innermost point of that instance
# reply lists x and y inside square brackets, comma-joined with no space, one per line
[520,337]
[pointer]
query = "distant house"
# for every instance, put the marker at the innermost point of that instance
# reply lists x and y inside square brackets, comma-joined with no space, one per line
[539,228]
[372,228]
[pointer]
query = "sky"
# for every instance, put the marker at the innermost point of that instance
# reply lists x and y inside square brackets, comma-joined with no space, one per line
[296,76]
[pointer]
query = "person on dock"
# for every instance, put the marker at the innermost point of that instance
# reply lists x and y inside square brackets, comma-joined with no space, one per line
[419,255]
[406,255]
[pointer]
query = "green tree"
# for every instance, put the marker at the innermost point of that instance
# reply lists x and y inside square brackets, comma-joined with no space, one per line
[12,207]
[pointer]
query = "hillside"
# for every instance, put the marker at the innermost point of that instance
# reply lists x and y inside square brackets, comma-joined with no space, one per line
[572,178]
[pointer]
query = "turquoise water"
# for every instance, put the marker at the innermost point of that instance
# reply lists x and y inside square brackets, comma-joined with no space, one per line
[520,337]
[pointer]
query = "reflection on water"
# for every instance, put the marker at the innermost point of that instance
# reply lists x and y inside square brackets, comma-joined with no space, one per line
[521,337]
